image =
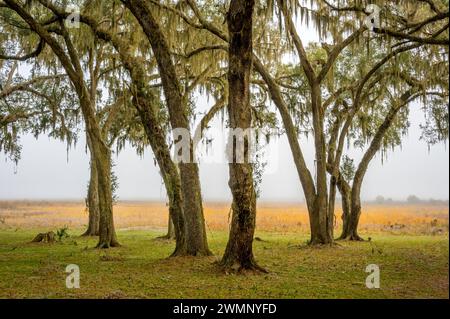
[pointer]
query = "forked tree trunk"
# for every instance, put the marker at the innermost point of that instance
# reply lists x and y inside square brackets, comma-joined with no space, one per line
[92,202]
[239,252]
[196,239]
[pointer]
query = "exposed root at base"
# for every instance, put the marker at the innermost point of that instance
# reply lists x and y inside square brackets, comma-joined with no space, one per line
[356,238]
[241,269]
[108,245]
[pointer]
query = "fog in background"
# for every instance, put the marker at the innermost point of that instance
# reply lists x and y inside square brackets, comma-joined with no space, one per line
[47,171]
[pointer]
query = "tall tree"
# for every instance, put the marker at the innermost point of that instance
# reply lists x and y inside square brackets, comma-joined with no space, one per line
[239,252]
[196,238]
[70,60]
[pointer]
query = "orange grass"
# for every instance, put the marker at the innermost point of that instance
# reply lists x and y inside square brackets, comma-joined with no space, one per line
[282,217]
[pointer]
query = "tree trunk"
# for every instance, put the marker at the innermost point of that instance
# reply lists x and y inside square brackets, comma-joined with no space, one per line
[375,145]
[196,239]
[144,102]
[345,191]
[320,218]
[169,171]
[107,232]
[72,66]
[92,201]
[239,252]
[170,230]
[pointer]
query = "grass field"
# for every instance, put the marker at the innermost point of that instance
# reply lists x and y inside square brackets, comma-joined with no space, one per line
[409,243]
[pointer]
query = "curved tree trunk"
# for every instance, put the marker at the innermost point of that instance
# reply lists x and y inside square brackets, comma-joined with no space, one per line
[169,172]
[239,252]
[145,102]
[196,239]
[375,145]
[68,57]
[92,201]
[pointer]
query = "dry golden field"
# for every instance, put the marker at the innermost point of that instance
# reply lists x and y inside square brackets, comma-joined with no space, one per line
[282,217]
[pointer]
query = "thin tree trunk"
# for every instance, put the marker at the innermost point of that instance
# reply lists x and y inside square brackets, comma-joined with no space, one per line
[145,102]
[345,191]
[168,168]
[239,252]
[196,239]
[170,229]
[69,59]
[92,201]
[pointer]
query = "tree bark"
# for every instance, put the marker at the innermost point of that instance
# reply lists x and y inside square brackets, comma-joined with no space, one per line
[239,251]
[196,239]
[107,234]
[93,200]
[345,190]
[170,230]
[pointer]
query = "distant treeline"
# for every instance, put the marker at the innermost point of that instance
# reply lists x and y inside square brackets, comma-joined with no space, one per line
[412,199]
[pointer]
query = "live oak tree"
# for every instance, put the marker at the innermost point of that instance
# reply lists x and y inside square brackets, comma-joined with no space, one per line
[383,119]
[239,252]
[55,34]
[419,27]
[196,238]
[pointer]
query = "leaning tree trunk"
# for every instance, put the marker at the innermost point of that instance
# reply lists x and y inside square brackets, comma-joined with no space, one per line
[169,172]
[144,102]
[92,201]
[239,252]
[196,239]
[375,145]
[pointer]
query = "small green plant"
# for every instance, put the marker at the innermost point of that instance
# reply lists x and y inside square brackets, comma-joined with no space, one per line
[62,233]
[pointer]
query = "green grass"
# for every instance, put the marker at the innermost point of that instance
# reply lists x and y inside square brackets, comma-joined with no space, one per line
[411,267]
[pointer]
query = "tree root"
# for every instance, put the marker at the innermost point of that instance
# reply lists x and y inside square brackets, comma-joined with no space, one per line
[353,237]
[106,245]
[236,267]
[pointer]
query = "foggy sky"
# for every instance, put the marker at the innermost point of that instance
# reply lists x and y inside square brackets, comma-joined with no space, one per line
[46,171]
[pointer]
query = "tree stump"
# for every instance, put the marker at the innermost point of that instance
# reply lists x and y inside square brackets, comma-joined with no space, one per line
[44,238]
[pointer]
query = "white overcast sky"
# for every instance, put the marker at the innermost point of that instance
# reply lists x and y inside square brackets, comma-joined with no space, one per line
[46,172]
